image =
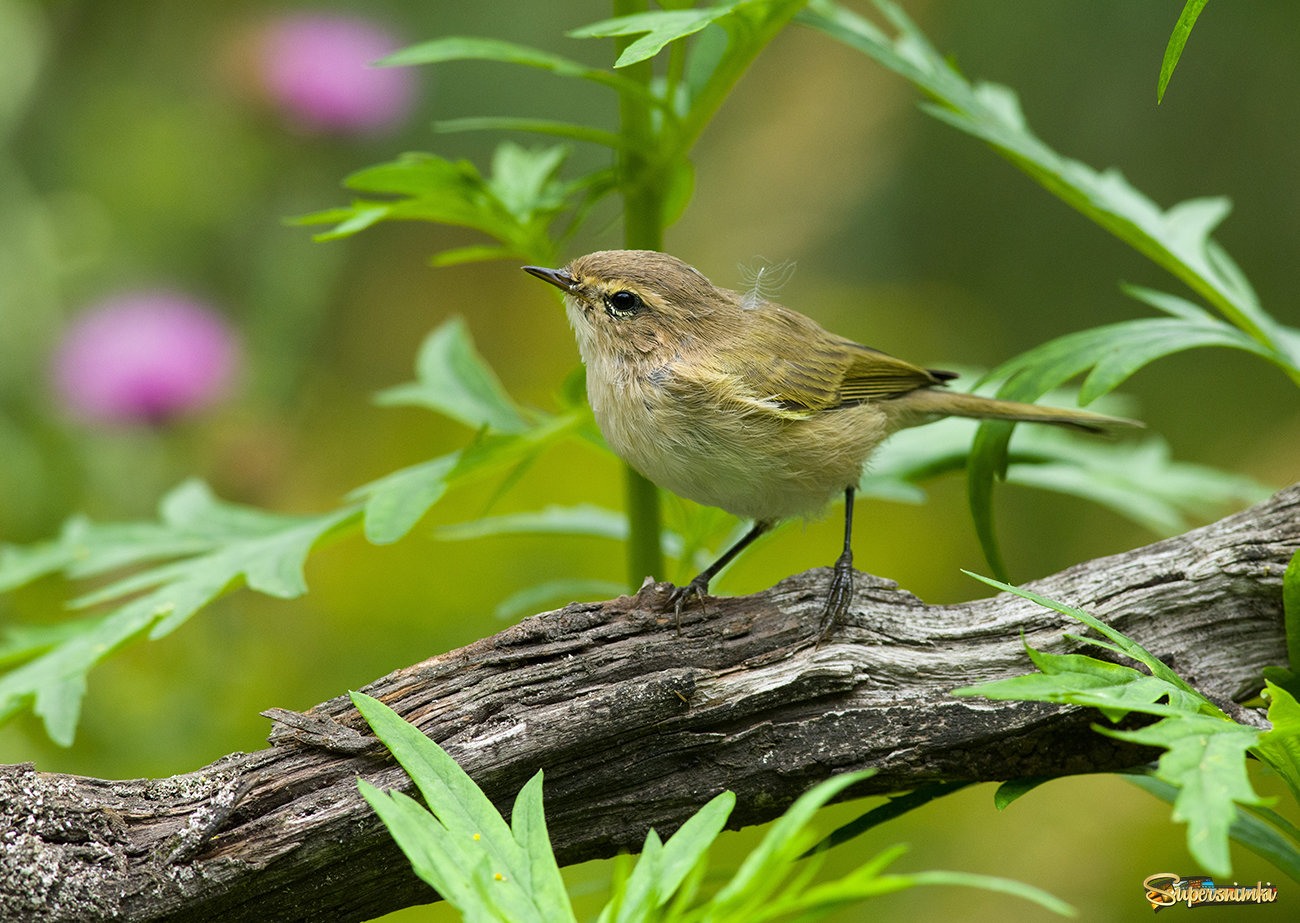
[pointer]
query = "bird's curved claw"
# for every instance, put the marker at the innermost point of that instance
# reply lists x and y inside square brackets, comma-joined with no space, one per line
[838,597]
[698,587]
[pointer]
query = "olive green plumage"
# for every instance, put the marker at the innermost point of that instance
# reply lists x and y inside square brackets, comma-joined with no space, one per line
[737,402]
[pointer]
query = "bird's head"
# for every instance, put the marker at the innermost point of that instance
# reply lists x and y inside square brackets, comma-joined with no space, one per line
[630,303]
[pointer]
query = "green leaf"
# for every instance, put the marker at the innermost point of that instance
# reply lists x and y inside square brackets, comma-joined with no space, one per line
[523,179]
[1205,752]
[1014,789]
[23,642]
[996,885]
[1176,239]
[687,847]
[1109,354]
[1137,478]
[895,806]
[503,883]
[528,824]
[474,254]
[1076,679]
[459,48]
[396,502]
[429,848]
[785,840]
[453,379]
[216,545]
[582,519]
[1188,697]
[1205,758]
[1291,611]
[537,126]
[1263,831]
[660,28]
[636,899]
[1177,41]
[515,205]
[23,564]
[1280,747]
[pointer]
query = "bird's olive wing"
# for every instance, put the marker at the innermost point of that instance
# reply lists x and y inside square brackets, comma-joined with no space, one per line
[837,375]
[873,375]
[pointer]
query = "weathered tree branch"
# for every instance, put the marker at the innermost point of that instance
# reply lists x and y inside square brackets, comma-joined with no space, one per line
[637,727]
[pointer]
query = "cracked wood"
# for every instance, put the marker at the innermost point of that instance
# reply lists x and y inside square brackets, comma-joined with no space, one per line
[636,727]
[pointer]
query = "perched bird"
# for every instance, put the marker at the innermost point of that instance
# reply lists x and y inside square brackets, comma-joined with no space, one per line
[734,401]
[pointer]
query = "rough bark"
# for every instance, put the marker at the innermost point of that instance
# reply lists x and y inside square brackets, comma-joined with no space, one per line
[637,727]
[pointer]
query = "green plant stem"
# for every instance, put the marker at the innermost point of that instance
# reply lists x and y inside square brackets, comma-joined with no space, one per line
[715,91]
[643,230]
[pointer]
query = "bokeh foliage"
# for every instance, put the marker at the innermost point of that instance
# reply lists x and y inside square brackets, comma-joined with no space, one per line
[330,325]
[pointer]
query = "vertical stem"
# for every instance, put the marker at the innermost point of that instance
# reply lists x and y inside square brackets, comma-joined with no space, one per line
[642,230]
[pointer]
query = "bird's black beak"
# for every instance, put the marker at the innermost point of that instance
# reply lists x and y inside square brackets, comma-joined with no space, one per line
[557,277]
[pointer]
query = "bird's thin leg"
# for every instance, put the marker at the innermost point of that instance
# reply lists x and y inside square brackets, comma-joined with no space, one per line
[840,595]
[700,585]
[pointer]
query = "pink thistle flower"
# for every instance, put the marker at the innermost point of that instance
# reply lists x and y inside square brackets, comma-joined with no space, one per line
[316,68]
[144,357]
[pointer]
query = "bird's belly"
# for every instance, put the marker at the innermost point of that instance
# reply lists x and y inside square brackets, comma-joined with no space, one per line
[754,464]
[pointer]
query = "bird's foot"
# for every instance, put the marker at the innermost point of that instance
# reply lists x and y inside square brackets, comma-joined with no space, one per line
[838,598]
[698,588]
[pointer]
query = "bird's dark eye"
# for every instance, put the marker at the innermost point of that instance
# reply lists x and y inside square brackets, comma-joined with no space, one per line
[623,303]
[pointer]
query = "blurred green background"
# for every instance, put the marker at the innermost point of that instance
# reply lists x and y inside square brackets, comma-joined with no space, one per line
[134,152]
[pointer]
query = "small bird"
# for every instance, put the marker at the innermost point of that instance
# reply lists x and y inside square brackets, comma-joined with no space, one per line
[734,401]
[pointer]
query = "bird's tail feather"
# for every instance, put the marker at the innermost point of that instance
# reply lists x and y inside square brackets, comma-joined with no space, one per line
[957,404]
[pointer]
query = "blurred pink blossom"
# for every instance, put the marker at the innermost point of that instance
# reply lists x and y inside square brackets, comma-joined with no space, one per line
[144,357]
[316,68]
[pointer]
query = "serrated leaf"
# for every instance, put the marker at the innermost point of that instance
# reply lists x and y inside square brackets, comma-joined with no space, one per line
[474,827]
[528,825]
[426,844]
[1109,355]
[396,502]
[23,564]
[1136,478]
[660,28]
[1175,239]
[523,179]
[1076,679]
[1177,41]
[1280,746]
[1205,758]
[453,379]
[215,546]
[23,642]
[1125,645]
[1263,831]
[426,187]
[1291,610]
